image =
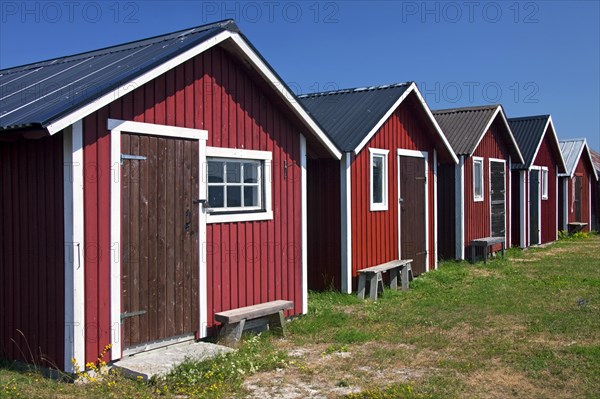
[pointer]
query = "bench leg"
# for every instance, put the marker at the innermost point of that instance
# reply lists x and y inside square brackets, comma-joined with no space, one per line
[231,333]
[472,253]
[405,277]
[373,281]
[277,323]
[502,250]
[394,278]
[485,254]
[362,282]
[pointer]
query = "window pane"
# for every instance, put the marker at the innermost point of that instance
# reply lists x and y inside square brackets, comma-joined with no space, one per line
[234,196]
[233,172]
[215,171]
[377,180]
[250,173]
[477,178]
[251,196]
[215,196]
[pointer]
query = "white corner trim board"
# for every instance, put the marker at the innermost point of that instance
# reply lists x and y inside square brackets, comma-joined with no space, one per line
[74,338]
[346,218]
[304,224]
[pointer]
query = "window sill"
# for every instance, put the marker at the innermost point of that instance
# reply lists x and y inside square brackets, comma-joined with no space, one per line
[239,217]
[378,208]
[477,199]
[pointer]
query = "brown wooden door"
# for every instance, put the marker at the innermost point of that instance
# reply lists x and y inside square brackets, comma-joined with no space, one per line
[577,197]
[412,212]
[159,238]
[497,199]
[534,207]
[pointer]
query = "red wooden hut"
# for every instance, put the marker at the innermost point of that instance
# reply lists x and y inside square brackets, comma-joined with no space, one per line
[379,203]
[474,195]
[596,193]
[575,199]
[145,187]
[535,182]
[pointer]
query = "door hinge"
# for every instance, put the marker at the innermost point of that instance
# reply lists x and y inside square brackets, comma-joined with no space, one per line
[132,314]
[132,157]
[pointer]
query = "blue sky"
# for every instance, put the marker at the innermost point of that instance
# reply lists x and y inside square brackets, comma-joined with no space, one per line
[534,57]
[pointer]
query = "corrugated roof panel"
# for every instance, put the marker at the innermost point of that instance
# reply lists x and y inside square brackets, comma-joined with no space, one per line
[595,160]
[464,127]
[38,93]
[528,132]
[570,150]
[347,116]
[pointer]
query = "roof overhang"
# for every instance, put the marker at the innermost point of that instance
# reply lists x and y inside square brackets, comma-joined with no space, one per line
[517,151]
[265,71]
[415,90]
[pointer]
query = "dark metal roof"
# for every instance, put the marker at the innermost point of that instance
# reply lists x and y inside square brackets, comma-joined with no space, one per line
[348,116]
[464,127]
[529,132]
[37,94]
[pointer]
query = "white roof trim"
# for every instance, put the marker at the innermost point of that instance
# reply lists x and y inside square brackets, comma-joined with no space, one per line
[549,123]
[288,97]
[412,88]
[512,137]
[256,61]
[130,86]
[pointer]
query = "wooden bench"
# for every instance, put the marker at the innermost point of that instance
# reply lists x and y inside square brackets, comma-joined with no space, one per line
[576,227]
[234,320]
[396,268]
[486,243]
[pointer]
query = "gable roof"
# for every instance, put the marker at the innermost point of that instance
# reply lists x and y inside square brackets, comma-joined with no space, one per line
[351,117]
[572,150]
[465,127]
[55,93]
[529,131]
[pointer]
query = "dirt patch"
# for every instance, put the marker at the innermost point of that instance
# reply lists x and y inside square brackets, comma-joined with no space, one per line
[313,373]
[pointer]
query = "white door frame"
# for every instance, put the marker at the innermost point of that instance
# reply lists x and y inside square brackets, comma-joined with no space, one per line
[539,204]
[425,156]
[116,127]
[503,161]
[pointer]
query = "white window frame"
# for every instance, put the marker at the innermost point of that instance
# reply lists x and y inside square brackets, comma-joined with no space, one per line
[379,206]
[478,198]
[265,212]
[544,182]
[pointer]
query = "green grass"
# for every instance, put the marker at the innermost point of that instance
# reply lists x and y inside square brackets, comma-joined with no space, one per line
[524,326]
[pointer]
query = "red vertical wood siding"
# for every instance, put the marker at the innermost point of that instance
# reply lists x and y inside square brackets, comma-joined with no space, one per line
[324,223]
[477,214]
[375,234]
[32,251]
[583,169]
[545,157]
[247,263]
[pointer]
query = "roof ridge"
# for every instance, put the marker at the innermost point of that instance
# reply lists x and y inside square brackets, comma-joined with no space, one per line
[541,116]
[575,139]
[228,24]
[466,109]
[355,90]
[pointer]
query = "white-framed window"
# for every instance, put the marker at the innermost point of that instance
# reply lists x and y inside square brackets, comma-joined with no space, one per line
[379,179]
[238,185]
[544,182]
[477,179]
